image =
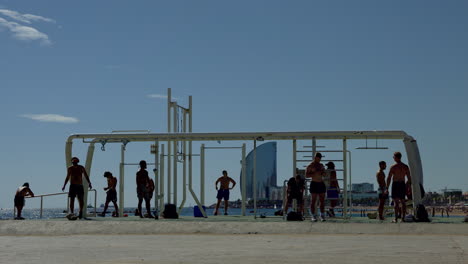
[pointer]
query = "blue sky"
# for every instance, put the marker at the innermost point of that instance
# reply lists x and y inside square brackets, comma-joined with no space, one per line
[250,65]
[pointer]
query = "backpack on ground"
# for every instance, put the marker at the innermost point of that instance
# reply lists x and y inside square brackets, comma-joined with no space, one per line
[421,214]
[170,212]
[294,216]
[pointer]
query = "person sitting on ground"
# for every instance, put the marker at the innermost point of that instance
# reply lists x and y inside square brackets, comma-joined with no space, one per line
[398,172]
[295,190]
[223,191]
[316,171]
[143,189]
[383,191]
[75,175]
[333,190]
[21,192]
[111,195]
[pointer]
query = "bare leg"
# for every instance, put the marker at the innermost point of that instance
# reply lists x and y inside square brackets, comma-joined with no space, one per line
[217,207]
[116,209]
[312,203]
[397,208]
[72,205]
[105,208]
[148,207]
[80,202]
[381,208]
[322,202]
[403,209]
[226,205]
[140,201]
[19,209]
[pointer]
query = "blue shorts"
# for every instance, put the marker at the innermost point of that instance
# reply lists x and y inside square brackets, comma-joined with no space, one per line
[223,194]
[332,193]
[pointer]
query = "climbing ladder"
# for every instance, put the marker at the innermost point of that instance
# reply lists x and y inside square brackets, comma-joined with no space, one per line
[345,183]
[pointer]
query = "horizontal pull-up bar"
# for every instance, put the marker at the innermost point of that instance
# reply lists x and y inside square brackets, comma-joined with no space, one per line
[223,147]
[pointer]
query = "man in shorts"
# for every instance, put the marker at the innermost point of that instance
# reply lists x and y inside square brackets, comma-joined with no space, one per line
[383,191]
[143,189]
[223,191]
[316,170]
[295,191]
[75,175]
[21,192]
[111,195]
[398,172]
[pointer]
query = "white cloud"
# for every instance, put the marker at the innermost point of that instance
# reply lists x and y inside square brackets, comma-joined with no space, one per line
[25,18]
[24,32]
[160,96]
[51,118]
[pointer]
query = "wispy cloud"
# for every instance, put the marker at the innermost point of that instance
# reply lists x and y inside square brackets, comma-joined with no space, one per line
[51,118]
[160,96]
[24,32]
[25,18]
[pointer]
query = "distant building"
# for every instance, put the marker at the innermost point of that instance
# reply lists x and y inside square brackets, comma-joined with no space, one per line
[362,187]
[265,172]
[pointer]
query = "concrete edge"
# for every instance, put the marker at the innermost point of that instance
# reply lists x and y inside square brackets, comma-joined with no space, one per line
[59,228]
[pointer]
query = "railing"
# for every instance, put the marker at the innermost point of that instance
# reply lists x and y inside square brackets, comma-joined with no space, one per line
[68,203]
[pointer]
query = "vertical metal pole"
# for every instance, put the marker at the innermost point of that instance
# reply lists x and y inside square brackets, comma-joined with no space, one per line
[244,179]
[175,154]
[95,203]
[350,186]
[345,180]
[161,177]
[156,175]
[42,202]
[255,178]
[202,174]
[314,147]
[294,156]
[184,165]
[169,152]
[121,180]
[89,163]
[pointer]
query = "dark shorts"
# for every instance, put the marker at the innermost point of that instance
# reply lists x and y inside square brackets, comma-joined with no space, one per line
[19,201]
[223,194]
[111,196]
[297,196]
[398,190]
[382,194]
[76,190]
[332,193]
[317,187]
[142,192]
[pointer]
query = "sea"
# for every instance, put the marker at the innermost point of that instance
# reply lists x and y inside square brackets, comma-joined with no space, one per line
[51,213]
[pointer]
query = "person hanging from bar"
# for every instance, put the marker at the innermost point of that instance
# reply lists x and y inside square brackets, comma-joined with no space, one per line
[223,191]
[111,193]
[75,175]
[316,171]
[21,192]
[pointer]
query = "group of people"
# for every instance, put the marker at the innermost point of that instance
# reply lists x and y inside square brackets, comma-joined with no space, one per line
[321,177]
[145,188]
[296,185]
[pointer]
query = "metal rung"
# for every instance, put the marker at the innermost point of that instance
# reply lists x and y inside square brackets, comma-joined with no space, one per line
[332,160]
[308,151]
[303,160]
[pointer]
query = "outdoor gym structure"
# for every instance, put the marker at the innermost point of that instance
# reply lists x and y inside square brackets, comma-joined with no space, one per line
[179,138]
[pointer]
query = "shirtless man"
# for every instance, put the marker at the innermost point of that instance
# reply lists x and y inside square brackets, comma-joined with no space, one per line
[21,192]
[383,191]
[143,189]
[223,191]
[398,171]
[75,175]
[316,170]
[111,195]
